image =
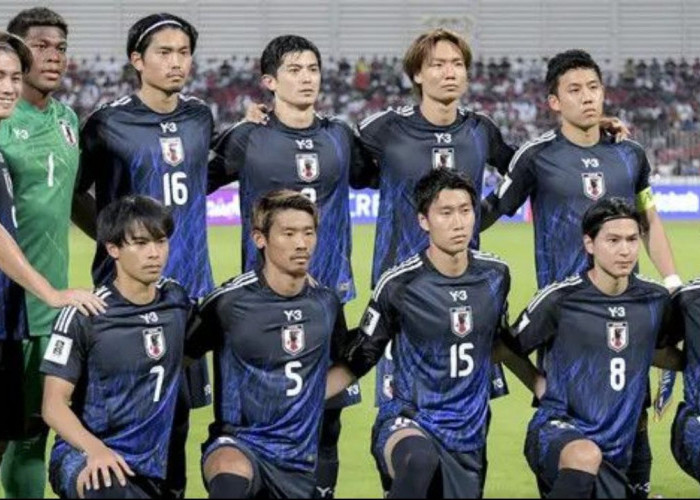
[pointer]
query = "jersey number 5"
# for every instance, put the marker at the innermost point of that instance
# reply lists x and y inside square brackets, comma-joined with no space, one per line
[294,377]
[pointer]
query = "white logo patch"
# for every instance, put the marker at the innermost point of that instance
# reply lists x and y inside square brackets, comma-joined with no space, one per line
[68,133]
[461,319]
[149,318]
[307,166]
[443,158]
[524,321]
[58,350]
[388,386]
[154,342]
[618,337]
[369,321]
[593,185]
[173,152]
[293,339]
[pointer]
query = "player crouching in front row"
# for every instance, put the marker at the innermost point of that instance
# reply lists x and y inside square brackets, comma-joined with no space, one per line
[600,331]
[112,380]
[273,332]
[444,310]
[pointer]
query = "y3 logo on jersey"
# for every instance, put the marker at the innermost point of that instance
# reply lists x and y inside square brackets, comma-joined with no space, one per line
[168,127]
[293,314]
[305,143]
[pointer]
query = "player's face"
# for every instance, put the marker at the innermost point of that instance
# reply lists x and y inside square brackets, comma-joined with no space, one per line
[166,62]
[615,248]
[443,75]
[290,244]
[142,257]
[579,98]
[450,221]
[10,82]
[298,79]
[48,45]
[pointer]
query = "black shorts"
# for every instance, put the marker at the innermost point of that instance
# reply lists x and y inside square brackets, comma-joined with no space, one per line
[685,440]
[544,445]
[462,474]
[12,419]
[269,480]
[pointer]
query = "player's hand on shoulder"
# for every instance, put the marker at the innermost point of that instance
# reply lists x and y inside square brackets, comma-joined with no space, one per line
[257,113]
[616,127]
[102,462]
[84,300]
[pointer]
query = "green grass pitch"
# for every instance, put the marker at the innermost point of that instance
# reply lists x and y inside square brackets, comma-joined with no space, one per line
[509,475]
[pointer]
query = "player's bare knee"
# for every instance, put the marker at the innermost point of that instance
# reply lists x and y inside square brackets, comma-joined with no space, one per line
[228,460]
[581,454]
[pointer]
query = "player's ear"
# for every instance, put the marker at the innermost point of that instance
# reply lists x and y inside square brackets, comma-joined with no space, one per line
[423,222]
[112,250]
[136,60]
[588,244]
[269,82]
[553,101]
[259,239]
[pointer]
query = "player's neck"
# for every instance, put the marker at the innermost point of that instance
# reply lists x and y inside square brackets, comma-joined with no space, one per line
[282,283]
[438,113]
[448,264]
[294,116]
[606,283]
[157,100]
[35,97]
[581,137]
[134,291]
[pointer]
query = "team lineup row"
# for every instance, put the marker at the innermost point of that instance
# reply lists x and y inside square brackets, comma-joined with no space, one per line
[157,142]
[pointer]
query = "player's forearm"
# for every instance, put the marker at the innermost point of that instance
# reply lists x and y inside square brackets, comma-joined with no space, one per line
[489,213]
[58,415]
[521,366]
[669,358]
[84,213]
[658,246]
[339,378]
[17,267]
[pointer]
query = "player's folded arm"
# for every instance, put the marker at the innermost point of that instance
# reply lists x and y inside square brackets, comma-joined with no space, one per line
[667,355]
[203,330]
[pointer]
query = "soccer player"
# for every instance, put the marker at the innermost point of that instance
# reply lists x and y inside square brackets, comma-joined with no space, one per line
[113,413]
[40,145]
[318,156]
[685,325]
[272,330]
[564,172]
[600,331]
[444,309]
[156,142]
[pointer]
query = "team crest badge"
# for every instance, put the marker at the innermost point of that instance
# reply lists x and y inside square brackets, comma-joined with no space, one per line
[443,158]
[307,166]
[593,185]
[461,318]
[293,339]
[154,342]
[618,337]
[68,133]
[173,152]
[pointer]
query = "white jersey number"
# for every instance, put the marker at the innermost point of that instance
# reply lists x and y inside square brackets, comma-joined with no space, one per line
[175,189]
[289,372]
[617,374]
[160,373]
[459,355]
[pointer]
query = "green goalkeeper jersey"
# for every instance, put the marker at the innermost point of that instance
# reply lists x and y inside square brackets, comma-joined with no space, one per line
[41,151]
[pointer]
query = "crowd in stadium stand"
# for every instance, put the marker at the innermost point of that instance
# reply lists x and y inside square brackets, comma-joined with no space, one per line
[655,97]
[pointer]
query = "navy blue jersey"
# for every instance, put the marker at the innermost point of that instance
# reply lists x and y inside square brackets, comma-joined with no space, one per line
[319,161]
[127,148]
[405,147]
[443,330]
[271,359]
[684,324]
[597,354]
[13,318]
[562,181]
[126,367]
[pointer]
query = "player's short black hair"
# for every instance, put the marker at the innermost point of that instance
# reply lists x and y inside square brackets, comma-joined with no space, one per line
[277,201]
[429,187]
[36,16]
[274,52]
[118,219]
[608,209]
[566,61]
[14,44]
[142,31]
